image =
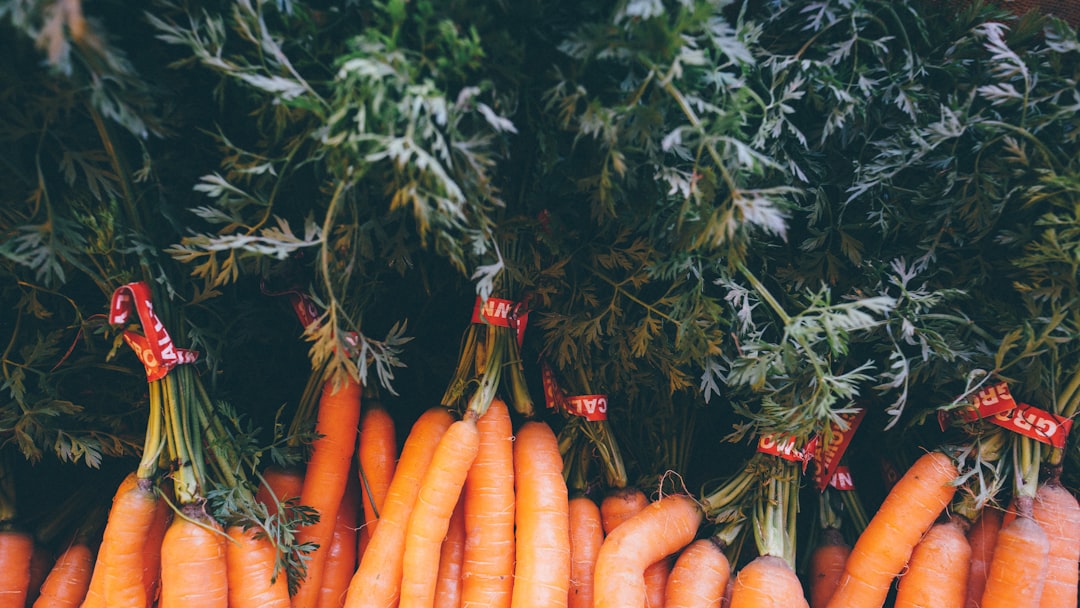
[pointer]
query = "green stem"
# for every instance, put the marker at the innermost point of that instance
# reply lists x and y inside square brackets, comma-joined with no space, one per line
[154,442]
[1026,452]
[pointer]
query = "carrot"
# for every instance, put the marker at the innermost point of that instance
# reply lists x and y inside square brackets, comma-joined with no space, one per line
[41,563]
[117,579]
[699,577]
[377,581]
[620,505]
[377,456]
[16,551]
[448,581]
[767,582]
[152,551]
[1058,513]
[885,546]
[1018,570]
[430,518]
[827,566]
[68,579]
[542,569]
[487,569]
[661,529]
[251,565]
[982,536]
[279,485]
[341,559]
[937,574]
[617,507]
[326,476]
[586,537]
[194,570]
[656,577]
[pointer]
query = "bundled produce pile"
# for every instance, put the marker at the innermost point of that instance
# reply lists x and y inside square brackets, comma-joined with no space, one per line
[613,304]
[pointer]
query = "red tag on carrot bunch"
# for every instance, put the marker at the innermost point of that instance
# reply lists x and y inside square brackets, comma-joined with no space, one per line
[986,404]
[831,451]
[154,346]
[842,479]
[784,447]
[589,407]
[503,313]
[1035,423]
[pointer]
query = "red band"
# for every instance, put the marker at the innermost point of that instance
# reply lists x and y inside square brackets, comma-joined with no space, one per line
[503,313]
[829,454]
[785,448]
[589,407]
[154,346]
[1035,423]
[841,479]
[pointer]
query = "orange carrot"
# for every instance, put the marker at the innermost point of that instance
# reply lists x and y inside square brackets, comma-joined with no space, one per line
[278,486]
[1018,570]
[1058,513]
[152,551]
[661,529]
[341,559]
[937,574]
[430,518]
[982,536]
[448,582]
[326,476]
[69,578]
[377,581]
[827,566]
[542,569]
[377,457]
[586,537]
[656,578]
[617,507]
[767,582]
[620,505]
[41,563]
[885,546]
[487,572]
[117,579]
[194,571]
[699,577]
[251,565]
